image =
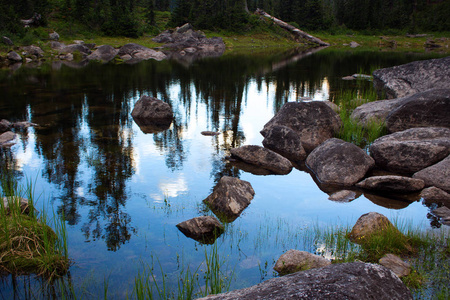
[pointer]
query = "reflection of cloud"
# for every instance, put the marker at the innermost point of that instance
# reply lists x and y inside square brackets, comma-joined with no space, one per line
[79,191]
[170,188]
[25,157]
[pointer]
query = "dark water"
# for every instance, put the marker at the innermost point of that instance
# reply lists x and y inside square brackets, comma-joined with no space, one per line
[122,191]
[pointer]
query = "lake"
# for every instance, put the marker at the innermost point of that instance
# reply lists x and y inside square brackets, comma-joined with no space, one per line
[122,191]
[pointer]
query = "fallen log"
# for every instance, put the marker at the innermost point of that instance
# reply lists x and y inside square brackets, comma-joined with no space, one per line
[295,31]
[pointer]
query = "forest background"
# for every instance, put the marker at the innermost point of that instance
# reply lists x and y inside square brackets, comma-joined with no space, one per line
[133,18]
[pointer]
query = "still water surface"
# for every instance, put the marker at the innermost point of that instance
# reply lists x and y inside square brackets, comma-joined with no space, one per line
[122,191]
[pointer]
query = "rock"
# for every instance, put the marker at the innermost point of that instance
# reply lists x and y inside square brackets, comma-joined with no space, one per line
[68,57]
[56,45]
[294,260]
[376,111]
[103,53]
[332,105]
[396,265]
[85,51]
[344,196]
[149,111]
[28,60]
[54,36]
[362,77]
[437,175]
[414,77]
[264,158]
[426,109]
[184,28]
[354,44]
[14,200]
[5,125]
[202,229]
[230,197]
[435,195]
[7,138]
[14,57]
[209,133]
[32,51]
[7,41]
[443,213]
[140,52]
[411,150]
[23,124]
[352,281]
[284,141]
[164,37]
[392,183]
[370,224]
[339,162]
[314,121]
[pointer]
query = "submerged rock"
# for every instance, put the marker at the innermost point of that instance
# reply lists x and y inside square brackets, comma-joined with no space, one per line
[411,150]
[314,122]
[392,183]
[437,175]
[339,162]
[414,77]
[353,281]
[204,229]
[294,260]
[264,158]
[230,197]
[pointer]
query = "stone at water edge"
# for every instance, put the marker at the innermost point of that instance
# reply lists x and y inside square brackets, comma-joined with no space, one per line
[14,56]
[5,125]
[396,264]
[375,111]
[204,229]
[152,109]
[103,53]
[392,183]
[7,138]
[229,198]
[352,281]
[294,260]
[435,195]
[338,162]
[437,175]
[284,141]
[443,213]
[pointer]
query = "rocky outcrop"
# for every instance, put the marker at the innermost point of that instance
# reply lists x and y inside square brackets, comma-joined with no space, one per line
[152,115]
[138,52]
[353,281]
[411,150]
[284,141]
[392,183]
[414,77]
[7,138]
[230,197]
[263,158]
[314,122]
[396,265]
[103,53]
[368,225]
[339,162]
[435,195]
[426,109]
[204,229]
[294,260]
[437,175]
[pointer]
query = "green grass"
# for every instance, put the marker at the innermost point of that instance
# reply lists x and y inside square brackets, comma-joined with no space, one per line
[27,243]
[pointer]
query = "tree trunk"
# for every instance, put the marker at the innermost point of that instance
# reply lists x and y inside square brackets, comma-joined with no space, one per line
[295,31]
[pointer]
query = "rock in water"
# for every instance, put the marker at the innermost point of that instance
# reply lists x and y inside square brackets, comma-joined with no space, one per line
[353,281]
[435,195]
[264,158]
[396,264]
[314,122]
[411,150]
[202,229]
[426,109]
[284,141]
[152,114]
[339,162]
[294,260]
[392,183]
[437,175]
[370,224]
[7,138]
[414,77]
[140,52]
[103,53]
[230,197]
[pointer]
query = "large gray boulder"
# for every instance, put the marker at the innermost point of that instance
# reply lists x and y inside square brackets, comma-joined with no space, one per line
[152,115]
[284,141]
[338,162]
[437,175]
[353,281]
[425,109]
[230,197]
[263,158]
[294,260]
[411,150]
[414,77]
[103,53]
[435,195]
[140,52]
[204,229]
[392,183]
[314,121]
